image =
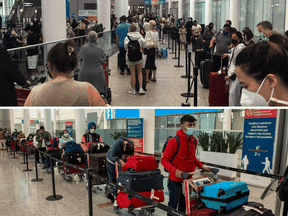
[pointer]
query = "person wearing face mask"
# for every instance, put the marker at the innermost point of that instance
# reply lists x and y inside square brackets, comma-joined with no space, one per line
[188,27]
[43,135]
[211,27]
[65,138]
[30,138]
[223,41]
[264,28]
[120,149]
[235,86]
[262,71]
[184,161]
[91,135]
[182,33]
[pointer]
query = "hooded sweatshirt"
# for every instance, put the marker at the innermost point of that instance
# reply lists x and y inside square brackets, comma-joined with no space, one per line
[134,36]
[185,160]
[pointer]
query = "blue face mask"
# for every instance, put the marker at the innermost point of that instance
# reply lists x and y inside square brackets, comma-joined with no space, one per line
[225,32]
[190,131]
[261,35]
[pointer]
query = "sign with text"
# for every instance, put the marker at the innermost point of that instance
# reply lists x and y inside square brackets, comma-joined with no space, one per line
[258,144]
[135,132]
[69,127]
[121,113]
[154,2]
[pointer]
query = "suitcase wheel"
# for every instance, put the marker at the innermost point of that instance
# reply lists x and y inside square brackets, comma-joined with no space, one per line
[116,209]
[221,211]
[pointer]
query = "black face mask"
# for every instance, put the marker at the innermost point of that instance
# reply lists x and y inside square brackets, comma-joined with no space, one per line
[211,27]
[234,41]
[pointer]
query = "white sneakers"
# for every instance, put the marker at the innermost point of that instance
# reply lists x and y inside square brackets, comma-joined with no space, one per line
[133,91]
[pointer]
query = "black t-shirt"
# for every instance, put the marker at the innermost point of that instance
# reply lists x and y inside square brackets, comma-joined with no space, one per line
[32,40]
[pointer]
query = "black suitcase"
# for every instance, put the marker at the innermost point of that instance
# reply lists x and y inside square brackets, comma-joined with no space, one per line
[97,162]
[98,147]
[206,67]
[143,80]
[141,181]
[74,158]
[200,56]
[56,153]
[241,212]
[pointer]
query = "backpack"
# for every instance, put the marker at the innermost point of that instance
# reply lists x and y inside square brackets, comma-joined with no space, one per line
[283,187]
[134,52]
[178,147]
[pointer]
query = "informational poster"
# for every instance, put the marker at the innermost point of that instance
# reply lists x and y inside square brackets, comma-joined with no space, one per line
[90,14]
[69,126]
[154,2]
[258,145]
[135,132]
[68,9]
[34,122]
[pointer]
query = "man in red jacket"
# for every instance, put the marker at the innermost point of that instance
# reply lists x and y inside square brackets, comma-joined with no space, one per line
[184,161]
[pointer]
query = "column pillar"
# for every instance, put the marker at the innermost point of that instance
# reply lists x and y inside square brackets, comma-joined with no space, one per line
[55,121]
[125,5]
[169,6]
[149,129]
[118,9]
[54,20]
[153,9]
[227,119]
[208,11]
[234,13]
[286,17]
[180,9]
[161,11]
[26,125]
[48,121]
[80,124]
[104,13]
[192,9]
[11,115]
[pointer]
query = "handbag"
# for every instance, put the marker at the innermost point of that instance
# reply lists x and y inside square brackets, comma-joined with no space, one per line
[151,43]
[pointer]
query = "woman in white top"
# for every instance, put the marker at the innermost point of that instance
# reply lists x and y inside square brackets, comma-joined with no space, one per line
[151,53]
[235,86]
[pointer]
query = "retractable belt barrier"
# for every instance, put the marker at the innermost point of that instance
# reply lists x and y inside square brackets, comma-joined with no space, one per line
[129,192]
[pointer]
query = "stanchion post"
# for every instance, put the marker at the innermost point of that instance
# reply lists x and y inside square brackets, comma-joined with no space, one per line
[172,47]
[36,169]
[186,62]
[175,52]
[188,94]
[179,56]
[89,180]
[195,86]
[23,155]
[168,41]
[27,166]
[53,197]
[14,150]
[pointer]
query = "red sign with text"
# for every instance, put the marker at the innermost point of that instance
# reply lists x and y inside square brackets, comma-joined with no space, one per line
[138,144]
[69,124]
[260,113]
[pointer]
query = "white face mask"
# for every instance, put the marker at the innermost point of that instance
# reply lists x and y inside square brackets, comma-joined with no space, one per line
[66,135]
[92,131]
[190,131]
[254,98]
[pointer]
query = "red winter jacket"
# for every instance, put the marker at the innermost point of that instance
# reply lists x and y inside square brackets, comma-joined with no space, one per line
[185,160]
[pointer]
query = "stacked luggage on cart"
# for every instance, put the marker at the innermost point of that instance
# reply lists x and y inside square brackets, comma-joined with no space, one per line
[29,147]
[216,197]
[54,151]
[141,175]
[97,161]
[74,154]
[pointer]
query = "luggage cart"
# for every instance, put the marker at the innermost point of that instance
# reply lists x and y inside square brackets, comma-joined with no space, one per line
[107,96]
[147,209]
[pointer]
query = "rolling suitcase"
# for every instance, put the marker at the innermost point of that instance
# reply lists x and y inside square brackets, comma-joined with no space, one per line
[141,163]
[74,158]
[256,210]
[218,90]
[124,202]
[164,53]
[200,56]
[141,181]
[56,153]
[206,67]
[224,196]
[98,162]
[143,80]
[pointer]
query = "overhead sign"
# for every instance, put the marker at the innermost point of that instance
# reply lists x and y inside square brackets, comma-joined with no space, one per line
[154,2]
[258,144]
[121,113]
[159,112]
[135,132]
[69,127]
[34,122]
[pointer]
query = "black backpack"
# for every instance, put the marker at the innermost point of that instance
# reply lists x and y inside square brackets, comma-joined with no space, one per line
[134,52]
[178,147]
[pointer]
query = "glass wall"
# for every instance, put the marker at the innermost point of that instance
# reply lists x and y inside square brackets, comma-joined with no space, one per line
[254,11]
[187,11]
[220,13]
[174,9]
[200,11]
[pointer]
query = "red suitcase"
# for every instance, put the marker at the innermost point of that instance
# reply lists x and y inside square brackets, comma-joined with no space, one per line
[124,202]
[218,90]
[204,212]
[141,163]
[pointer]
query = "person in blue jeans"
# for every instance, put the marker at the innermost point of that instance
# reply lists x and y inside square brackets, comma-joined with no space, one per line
[121,33]
[121,147]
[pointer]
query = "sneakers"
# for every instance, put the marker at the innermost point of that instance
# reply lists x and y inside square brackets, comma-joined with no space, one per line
[142,92]
[133,92]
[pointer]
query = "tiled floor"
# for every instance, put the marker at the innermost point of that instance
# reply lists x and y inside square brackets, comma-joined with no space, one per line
[20,196]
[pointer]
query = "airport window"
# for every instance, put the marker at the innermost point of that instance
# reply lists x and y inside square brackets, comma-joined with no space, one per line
[200,11]
[220,13]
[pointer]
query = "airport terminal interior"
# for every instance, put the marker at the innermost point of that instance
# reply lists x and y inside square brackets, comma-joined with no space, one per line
[21,196]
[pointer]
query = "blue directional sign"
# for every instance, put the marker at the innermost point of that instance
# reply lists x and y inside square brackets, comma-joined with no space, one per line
[135,128]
